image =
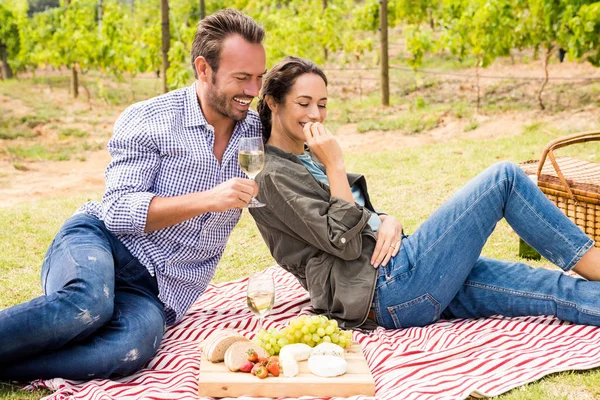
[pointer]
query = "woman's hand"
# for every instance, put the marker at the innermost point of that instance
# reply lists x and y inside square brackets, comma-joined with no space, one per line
[324,145]
[389,237]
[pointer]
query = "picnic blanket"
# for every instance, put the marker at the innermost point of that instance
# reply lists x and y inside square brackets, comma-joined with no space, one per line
[447,360]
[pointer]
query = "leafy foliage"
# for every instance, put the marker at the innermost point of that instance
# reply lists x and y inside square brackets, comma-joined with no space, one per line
[128,41]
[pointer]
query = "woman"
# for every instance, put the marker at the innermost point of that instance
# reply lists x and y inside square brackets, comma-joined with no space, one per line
[321,226]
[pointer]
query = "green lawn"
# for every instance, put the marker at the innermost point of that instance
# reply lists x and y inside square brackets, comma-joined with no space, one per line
[408,183]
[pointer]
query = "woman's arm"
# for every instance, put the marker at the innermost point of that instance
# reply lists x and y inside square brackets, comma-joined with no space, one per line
[323,144]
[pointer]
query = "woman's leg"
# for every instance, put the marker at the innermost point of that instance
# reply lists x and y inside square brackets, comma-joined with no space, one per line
[515,289]
[436,260]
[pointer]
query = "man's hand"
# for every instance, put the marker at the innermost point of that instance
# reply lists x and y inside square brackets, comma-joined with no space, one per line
[168,211]
[389,238]
[234,193]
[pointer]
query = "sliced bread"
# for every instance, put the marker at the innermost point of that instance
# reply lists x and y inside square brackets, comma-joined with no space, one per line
[237,354]
[215,350]
[215,334]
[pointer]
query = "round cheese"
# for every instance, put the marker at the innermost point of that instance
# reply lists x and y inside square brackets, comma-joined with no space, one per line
[327,366]
[296,351]
[327,349]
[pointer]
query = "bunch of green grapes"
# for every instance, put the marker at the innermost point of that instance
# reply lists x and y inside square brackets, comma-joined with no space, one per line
[310,330]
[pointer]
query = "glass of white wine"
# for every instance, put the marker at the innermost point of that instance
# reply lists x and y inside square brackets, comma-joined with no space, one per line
[260,296]
[251,157]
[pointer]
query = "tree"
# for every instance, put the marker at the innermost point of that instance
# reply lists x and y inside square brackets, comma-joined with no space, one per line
[479,28]
[66,36]
[36,6]
[544,25]
[384,64]
[166,41]
[9,40]
[304,28]
[584,40]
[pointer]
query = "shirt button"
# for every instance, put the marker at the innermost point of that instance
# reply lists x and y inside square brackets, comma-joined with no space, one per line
[343,240]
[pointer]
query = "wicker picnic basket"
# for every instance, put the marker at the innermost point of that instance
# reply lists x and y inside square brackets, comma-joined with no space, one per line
[570,183]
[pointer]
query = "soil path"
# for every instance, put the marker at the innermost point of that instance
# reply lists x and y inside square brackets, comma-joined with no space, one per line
[48,179]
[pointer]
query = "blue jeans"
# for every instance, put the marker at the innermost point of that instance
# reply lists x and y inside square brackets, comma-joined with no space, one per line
[439,273]
[99,317]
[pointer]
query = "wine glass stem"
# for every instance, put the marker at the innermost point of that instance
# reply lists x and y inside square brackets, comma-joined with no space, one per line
[260,324]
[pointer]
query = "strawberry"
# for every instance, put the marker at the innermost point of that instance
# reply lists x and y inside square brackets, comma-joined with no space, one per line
[247,366]
[273,367]
[255,367]
[263,360]
[261,372]
[252,355]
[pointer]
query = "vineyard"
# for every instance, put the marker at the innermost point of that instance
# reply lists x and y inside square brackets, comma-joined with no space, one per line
[125,38]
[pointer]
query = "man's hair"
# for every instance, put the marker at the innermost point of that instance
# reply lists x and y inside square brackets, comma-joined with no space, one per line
[278,82]
[214,29]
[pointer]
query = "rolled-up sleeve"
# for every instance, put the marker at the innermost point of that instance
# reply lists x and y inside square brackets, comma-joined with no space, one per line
[129,176]
[332,225]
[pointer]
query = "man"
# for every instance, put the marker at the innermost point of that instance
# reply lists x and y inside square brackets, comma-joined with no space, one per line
[119,270]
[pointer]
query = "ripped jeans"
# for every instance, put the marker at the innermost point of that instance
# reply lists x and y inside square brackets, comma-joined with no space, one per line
[438,272]
[99,317]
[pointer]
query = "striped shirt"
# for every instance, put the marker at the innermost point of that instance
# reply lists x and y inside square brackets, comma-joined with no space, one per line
[164,147]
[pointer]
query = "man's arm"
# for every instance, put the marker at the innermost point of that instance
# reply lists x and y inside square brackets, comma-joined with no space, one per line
[129,205]
[167,211]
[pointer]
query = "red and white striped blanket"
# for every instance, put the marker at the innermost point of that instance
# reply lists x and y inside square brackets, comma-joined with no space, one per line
[446,360]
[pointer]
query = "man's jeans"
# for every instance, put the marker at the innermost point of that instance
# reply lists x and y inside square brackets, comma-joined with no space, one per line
[438,272]
[99,317]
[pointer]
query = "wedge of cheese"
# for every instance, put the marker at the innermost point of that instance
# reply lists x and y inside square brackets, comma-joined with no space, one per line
[289,367]
[327,366]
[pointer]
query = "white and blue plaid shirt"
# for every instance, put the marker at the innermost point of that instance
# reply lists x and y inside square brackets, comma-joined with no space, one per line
[164,147]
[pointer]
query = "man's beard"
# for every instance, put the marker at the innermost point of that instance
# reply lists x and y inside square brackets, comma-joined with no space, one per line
[219,102]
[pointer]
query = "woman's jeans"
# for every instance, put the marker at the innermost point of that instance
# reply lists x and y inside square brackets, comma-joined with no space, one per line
[438,272]
[99,317]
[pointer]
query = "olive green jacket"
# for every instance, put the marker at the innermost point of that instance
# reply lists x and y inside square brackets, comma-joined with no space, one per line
[324,241]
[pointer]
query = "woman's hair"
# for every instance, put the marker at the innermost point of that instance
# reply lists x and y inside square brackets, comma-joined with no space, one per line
[279,81]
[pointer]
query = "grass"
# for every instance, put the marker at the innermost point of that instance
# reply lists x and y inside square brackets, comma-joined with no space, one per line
[409,123]
[23,127]
[409,184]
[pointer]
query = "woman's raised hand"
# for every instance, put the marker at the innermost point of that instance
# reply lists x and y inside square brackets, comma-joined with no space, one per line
[324,145]
[389,238]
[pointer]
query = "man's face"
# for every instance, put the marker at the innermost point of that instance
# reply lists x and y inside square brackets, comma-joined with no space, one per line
[238,79]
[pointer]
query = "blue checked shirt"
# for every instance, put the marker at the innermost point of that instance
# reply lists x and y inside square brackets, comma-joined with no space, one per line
[164,147]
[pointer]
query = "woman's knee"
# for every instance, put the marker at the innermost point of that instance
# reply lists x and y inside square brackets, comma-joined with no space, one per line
[507,168]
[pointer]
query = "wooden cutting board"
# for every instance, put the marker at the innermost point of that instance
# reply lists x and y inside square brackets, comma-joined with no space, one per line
[216,380]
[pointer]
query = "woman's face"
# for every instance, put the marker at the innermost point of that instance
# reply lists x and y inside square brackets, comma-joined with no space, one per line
[305,102]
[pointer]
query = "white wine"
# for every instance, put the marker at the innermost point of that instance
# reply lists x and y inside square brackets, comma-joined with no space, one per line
[260,302]
[252,162]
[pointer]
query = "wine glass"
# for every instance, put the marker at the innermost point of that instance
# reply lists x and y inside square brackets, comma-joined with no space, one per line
[260,296]
[251,157]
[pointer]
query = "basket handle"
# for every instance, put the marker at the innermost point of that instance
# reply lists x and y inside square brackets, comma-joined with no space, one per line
[562,142]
